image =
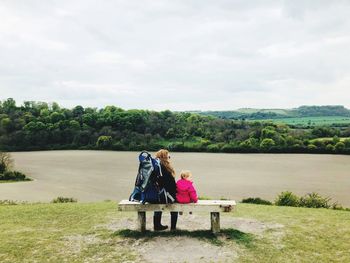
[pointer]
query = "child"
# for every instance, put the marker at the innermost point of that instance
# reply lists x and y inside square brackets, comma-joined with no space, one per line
[185,192]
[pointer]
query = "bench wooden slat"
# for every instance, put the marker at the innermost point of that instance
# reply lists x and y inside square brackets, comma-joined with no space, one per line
[201,206]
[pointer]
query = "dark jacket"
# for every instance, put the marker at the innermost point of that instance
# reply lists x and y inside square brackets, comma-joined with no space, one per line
[168,182]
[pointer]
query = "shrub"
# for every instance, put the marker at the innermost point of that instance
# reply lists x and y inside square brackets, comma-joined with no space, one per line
[176,146]
[267,144]
[8,175]
[213,148]
[339,146]
[2,167]
[287,199]
[314,200]
[227,148]
[13,176]
[256,200]
[347,143]
[19,176]
[104,142]
[203,197]
[312,147]
[319,143]
[337,206]
[6,162]
[61,199]
[330,148]
[8,202]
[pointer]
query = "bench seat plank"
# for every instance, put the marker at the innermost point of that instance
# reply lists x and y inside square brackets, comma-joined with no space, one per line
[201,206]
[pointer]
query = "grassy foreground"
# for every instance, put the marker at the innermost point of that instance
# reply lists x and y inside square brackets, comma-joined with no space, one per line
[79,232]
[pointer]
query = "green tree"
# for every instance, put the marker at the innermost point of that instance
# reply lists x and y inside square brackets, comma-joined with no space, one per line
[34,126]
[347,143]
[339,146]
[335,139]
[104,142]
[319,143]
[9,105]
[89,119]
[78,111]
[170,133]
[56,117]
[54,106]
[6,124]
[267,144]
[44,113]
[249,143]
[268,132]
[74,125]
[330,148]
[312,147]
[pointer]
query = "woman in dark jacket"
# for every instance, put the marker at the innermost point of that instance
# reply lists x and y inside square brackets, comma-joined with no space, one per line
[168,182]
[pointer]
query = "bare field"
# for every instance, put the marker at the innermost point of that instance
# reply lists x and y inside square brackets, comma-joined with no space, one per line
[101,175]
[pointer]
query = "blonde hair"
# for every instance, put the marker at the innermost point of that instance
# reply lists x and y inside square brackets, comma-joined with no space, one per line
[163,155]
[185,174]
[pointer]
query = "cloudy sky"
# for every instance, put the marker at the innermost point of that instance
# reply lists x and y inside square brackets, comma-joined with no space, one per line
[176,54]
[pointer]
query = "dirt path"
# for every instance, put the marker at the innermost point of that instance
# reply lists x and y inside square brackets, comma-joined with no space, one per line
[167,247]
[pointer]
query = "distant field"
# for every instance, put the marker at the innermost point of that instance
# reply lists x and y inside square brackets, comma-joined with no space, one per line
[250,111]
[324,120]
[329,138]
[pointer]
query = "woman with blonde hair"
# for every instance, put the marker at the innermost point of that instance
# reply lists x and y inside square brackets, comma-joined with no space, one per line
[167,181]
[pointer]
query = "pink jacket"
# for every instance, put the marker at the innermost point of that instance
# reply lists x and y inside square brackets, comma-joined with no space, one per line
[185,192]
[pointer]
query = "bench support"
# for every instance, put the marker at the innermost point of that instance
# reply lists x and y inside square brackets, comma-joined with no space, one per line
[215,222]
[214,207]
[141,219]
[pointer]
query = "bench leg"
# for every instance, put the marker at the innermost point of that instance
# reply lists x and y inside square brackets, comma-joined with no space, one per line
[141,219]
[215,222]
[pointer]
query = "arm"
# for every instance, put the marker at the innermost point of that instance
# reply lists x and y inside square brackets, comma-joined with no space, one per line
[193,194]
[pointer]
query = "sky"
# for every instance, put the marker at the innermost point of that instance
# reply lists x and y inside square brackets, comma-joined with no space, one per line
[176,54]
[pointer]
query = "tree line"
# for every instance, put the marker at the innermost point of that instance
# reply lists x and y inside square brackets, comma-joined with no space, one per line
[265,114]
[47,126]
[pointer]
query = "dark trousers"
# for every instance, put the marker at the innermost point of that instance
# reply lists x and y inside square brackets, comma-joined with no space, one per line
[173,216]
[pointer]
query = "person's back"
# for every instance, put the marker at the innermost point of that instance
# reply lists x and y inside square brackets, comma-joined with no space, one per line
[168,182]
[185,191]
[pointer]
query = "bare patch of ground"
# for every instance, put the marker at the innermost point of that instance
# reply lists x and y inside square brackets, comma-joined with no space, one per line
[247,225]
[194,222]
[173,248]
[184,249]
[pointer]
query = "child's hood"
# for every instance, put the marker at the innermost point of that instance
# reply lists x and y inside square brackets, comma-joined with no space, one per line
[183,184]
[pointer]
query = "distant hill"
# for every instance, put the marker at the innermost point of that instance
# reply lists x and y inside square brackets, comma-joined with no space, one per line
[264,114]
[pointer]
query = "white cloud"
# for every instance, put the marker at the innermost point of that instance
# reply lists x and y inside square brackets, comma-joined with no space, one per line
[176,54]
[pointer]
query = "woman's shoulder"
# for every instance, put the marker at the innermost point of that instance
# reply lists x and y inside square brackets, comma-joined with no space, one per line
[165,171]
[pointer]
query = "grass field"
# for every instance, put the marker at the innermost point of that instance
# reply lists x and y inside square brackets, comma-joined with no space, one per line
[312,121]
[82,232]
[250,111]
[342,139]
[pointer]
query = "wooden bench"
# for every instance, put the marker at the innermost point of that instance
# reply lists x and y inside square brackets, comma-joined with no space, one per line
[212,206]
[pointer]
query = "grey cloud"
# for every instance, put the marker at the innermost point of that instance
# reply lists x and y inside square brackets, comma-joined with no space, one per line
[181,55]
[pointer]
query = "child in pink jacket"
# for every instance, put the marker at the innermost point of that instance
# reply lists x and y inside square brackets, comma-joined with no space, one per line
[185,192]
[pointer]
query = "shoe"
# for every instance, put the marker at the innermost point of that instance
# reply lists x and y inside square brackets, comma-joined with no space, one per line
[157,226]
[160,228]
